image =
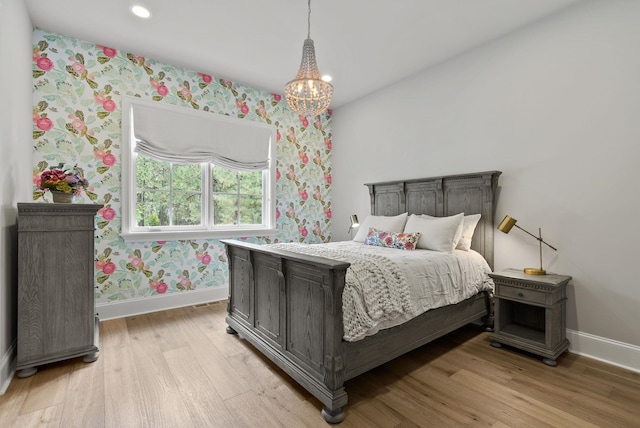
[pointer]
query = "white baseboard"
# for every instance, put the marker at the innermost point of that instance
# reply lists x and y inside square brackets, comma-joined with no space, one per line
[606,350]
[7,367]
[130,307]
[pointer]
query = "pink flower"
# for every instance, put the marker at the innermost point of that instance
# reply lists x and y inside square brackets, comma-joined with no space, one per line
[277,213]
[78,67]
[110,52]
[44,63]
[161,242]
[303,194]
[206,78]
[109,105]
[109,268]
[100,264]
[303,230]
[44,123]
[154,82]
[206,259]
[77,124]
[109,159]
[185,282]
[278,175]
[161,288]
[277,97]
[278,135]
[108,214]
[162,90]
[99,153]
[136,262]
[328,178]
[328,144]
[327,212]
[244,109]
[185,93]
[305,121]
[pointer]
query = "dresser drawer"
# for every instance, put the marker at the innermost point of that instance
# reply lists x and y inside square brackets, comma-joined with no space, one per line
[518,293]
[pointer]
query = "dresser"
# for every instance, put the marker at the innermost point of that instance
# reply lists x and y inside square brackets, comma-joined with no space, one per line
[56,284]
[530,313]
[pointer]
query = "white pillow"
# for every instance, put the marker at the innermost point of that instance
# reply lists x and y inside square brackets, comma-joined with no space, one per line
[456,239]
[468,227]
[381,222]
[437,233]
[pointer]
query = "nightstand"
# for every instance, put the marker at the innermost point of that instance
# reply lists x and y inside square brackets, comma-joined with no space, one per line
[530,313]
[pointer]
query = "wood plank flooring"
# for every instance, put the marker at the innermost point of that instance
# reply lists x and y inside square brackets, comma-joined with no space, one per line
[180,369]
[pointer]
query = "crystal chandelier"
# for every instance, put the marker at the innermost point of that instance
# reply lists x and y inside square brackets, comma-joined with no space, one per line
[308,94]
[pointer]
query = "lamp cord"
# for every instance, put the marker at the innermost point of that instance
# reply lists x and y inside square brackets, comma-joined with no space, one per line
[309,21]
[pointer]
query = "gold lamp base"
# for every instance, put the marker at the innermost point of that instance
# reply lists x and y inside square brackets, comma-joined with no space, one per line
[535,271]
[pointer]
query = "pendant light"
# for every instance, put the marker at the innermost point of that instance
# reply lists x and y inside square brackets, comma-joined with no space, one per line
[307,94]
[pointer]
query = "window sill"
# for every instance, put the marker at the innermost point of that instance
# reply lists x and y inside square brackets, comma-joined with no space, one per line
[195,234]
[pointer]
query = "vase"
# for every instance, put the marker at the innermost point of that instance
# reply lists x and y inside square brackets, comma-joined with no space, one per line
[63,198]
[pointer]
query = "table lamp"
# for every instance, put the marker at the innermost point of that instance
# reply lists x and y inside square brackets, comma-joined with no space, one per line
[354,223]
[507,224]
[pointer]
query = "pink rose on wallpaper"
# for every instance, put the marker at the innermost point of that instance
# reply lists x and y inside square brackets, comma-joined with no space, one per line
[244,109]
[303,157]
[277,97]
[278,175]
[162,287]
[154,83]
[109,268]
[78,67]
[78,124]
[100,264]
[136,262]
[205,78]
[277,213]
[185,282]
[44,64]
[327,212]
[109,159]
[278,135]
[185,93]
[206,259]
[99,153]
[109,105]
[303,194]
[328,144]
[108,213]
[161,242]
[162,90]
[328,178]
[305,121]
[303,231]
[110,52]
[44,123]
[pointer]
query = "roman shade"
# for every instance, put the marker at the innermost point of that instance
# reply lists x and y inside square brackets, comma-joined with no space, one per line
[170,135]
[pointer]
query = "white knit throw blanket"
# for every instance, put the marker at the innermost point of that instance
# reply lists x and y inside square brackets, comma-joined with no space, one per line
[375,289]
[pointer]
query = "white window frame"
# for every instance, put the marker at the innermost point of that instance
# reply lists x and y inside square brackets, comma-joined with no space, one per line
[132,232]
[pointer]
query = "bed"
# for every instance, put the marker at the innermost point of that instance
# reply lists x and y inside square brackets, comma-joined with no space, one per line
[289,305]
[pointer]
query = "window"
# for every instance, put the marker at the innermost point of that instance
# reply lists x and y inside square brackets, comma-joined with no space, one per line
[192,174]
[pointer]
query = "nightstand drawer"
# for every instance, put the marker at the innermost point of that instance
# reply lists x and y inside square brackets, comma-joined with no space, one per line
[529,296]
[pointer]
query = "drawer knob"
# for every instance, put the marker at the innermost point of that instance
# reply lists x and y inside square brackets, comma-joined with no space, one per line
[520,294]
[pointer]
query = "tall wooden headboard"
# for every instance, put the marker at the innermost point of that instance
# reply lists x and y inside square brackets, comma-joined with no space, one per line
[443,196]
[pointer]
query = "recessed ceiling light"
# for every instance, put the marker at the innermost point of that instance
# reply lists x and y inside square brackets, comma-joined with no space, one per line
[140,11]
[327,78]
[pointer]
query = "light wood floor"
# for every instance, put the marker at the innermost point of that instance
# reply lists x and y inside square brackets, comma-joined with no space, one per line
[179,368]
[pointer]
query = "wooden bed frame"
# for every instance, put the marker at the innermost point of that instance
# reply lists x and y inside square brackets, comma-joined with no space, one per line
[289,306]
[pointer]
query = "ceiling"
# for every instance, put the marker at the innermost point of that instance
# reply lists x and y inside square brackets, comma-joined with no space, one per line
[363,44]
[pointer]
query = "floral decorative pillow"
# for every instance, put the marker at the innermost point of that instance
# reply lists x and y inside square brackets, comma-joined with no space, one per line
[401,241]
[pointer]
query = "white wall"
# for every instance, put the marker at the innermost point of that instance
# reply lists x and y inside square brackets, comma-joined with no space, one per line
[16,146]
[556,107]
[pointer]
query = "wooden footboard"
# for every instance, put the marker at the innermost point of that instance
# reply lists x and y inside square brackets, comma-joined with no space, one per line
[289,306]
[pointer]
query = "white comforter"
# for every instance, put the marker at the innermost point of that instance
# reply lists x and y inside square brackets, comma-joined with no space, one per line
[415,282]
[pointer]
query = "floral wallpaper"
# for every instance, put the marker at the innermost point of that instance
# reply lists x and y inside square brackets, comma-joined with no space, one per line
[77,90]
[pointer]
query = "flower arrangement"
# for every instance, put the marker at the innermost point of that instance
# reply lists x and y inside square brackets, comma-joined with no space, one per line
[62,179]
